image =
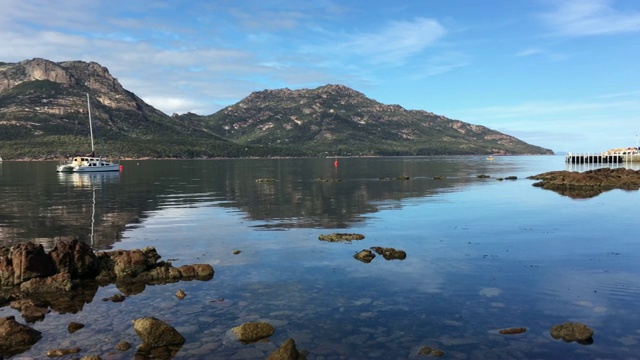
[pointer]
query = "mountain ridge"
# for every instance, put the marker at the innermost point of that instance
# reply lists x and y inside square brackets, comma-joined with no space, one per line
[43,115]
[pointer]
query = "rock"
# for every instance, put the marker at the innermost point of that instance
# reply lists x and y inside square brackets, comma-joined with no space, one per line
[62,352]
[340,237]
[196,271]
[180,294]
[129,264]
[287,351]
[483,176]
[428,350]
[155,333]
[31,310]
[253,331]
[123,346]
[23,262]
[30,267]
[589,183]
[74,326]
[16,338]
[52,284]
[572,331]
[365,256]
[74,257]
[512,331]
[116,298]
[390,253]
[236,252]
[91,357]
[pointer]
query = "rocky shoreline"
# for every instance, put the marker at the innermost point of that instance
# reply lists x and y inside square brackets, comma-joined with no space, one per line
[589,183]
[66,278]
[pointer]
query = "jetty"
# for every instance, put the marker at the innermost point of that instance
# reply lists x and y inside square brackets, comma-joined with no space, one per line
[613,156]
[594,158]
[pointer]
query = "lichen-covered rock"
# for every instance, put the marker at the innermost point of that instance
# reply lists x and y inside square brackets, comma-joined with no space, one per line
[340,237]
[572,331]
[156,333]
[16,338]
[53,284]
[390,253]
[253,331]
[287,351]
[365,256]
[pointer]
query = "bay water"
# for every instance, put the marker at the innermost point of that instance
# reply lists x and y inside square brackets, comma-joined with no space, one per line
[482,254]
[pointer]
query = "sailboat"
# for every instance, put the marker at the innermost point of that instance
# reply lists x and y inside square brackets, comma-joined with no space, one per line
[90,163]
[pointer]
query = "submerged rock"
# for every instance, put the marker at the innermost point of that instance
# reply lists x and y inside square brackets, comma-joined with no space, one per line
[74,326]
[512,331]
[123,346]
[253,331]
[62,352]
[287,351]
[573,331]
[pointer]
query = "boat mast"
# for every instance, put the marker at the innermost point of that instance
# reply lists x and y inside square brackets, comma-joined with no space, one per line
[90,126]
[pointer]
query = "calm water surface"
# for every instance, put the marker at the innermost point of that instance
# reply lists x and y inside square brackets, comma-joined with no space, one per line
[482,255]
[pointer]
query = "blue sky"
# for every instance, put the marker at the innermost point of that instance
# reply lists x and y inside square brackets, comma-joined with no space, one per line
[559,74]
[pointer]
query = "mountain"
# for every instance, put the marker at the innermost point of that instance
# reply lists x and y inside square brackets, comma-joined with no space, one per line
[43,115]
[335,118]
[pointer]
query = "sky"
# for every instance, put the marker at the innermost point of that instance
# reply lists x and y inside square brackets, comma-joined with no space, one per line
[561,74]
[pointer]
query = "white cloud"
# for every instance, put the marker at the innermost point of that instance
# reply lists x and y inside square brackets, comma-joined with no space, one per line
[590,17]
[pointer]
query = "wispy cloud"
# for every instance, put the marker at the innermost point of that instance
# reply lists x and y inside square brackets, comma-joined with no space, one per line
[577,18]
[530,52]
[394,43]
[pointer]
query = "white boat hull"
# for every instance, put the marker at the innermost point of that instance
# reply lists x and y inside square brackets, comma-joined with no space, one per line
[85,164]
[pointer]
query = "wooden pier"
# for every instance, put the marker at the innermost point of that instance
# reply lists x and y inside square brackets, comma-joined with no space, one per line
[587,158]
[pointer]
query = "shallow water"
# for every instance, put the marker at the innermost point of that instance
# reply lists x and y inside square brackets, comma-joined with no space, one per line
[482,255]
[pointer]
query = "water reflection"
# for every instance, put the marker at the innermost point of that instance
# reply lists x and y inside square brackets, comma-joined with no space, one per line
[42,206]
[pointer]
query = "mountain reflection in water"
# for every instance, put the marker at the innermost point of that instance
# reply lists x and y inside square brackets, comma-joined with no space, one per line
[482,255]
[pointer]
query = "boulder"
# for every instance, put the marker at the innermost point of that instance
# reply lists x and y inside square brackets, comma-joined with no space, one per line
[253,331]
[23,262]
[16,338]
[155,333]
[74,257]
